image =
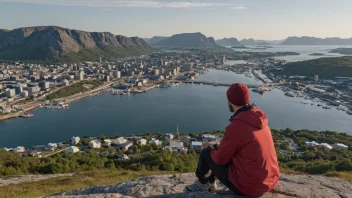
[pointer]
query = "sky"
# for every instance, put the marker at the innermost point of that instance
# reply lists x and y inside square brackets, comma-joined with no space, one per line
[258,19]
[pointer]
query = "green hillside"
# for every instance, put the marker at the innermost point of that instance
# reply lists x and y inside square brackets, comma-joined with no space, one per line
[326,68]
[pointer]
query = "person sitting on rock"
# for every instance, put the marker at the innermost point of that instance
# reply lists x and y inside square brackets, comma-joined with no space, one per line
[246,160]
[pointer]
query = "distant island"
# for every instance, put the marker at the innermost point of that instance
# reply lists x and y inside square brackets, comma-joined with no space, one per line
[52,43]
[305,40]
[327,68]
[317,54]
[346,51]
[239,47]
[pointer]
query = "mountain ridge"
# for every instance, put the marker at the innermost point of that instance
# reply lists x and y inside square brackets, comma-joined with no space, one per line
[58,43]
[308,40]
[228,42]
[189,40]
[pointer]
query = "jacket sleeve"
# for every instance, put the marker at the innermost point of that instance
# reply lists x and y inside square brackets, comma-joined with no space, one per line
[229,145]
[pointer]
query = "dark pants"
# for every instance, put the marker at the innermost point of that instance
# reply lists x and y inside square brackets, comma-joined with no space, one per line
[205,164]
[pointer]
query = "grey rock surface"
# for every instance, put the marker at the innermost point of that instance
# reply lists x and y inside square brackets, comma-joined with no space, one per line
[305,186]
[4,181]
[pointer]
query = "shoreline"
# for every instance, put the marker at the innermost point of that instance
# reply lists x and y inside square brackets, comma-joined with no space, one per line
[68,99]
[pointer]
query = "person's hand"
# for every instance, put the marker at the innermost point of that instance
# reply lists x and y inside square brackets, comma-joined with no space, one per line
[206,145]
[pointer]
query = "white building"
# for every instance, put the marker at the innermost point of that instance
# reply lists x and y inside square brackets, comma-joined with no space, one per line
[142,142]
[340,146]
[33,90]
[169,136]
[325,146]
[19,149]
[312,144]
[195,145]
[155,141]
[52,146]
[24,94]
[124,157]
[316,77]
[119,141]
[208,137]
[95,144]
[107,142]
[127,146]
[75,140]
[72,149]
[116,74]
[10,93]
[175,145]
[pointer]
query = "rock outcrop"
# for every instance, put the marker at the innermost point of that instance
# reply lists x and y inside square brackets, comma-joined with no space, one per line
[4,181]
[164,186]
[52,42]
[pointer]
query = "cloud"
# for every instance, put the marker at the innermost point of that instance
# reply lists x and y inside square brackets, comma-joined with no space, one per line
[122,3]
[239,7]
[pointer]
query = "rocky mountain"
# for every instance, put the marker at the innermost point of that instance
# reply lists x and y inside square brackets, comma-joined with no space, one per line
[188,40]
[62,44]
[155,39]
[305,40]
[172,186]
[228,42]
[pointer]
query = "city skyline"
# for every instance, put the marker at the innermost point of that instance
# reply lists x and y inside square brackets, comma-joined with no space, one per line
[269,20]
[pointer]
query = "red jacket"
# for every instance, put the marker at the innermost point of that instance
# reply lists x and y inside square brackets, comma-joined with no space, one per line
[248,148]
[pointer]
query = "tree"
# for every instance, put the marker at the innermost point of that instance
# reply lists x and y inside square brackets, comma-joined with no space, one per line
[344,165]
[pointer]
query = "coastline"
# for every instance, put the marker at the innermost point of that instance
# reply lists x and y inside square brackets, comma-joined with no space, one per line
[68,99]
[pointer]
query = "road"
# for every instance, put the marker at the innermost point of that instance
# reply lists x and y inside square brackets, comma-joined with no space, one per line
[59,151]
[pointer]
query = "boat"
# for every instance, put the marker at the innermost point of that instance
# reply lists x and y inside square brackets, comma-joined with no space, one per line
[27,115]
[319,105]
[349,112]
[326,107]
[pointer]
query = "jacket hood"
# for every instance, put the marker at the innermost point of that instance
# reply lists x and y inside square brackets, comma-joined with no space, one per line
[254,117]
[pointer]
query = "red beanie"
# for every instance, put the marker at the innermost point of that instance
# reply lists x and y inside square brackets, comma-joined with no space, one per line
[238,94]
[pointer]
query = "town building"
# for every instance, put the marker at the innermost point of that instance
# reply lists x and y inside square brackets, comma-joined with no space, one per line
[52,146]
[142,142]
[124,157]
[312,144]
[75,140]
[196,145]
[10,93]
[340,146]
[325,146]
[95,144]
[155,141]
[169,136]
[72,149]
[19,149]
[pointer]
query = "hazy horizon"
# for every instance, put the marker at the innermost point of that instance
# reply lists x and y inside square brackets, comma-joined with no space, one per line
[269,20]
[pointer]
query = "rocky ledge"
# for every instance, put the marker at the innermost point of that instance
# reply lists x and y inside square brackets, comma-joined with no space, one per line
[306,186]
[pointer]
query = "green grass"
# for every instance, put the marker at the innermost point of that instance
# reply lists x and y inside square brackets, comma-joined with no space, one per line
[324,67]
[79,180]
[74,89]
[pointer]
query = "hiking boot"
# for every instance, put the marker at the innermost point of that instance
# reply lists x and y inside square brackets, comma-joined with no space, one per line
[197,187]
[213,187]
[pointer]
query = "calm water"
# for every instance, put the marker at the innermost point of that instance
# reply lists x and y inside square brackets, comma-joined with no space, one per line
[194,108]
[303,50]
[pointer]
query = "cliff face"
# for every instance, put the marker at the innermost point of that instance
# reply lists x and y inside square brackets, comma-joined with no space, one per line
[304,186]
[51,42]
